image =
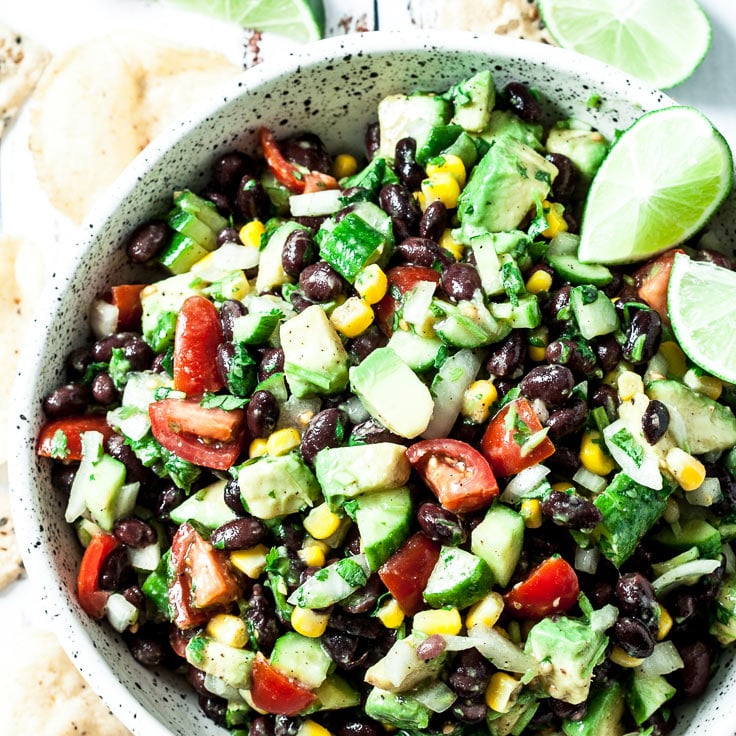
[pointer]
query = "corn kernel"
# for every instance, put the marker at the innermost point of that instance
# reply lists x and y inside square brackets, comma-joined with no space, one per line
[539,282]
[371,283]
[629,385]
[531,512]
[421,200]
[688,471]
[344,165]
[592,455]
[485,612]
[448,243]
[257,448]
[676,361]
[477,401]
[563,486]
[250,233]
[321,522]
[556,222]
[536,354]
[309,727]
[390,614]
[448,163]
[501,692]
[665,623]
[438,621]
[353,317]
[619,657]
[250,561]
[228,629]
[313,552]
[309,623]
[283,441]
[442,187]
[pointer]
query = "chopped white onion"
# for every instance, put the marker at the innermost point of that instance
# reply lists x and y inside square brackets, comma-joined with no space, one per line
[103,318]
[524,483]
[590,481]
[706,494]
[145,559]
[457,643]
[664,659]
[500,651]
[586,560]
[687,574]
[417,301]
[296,412]
[315,204]
[226,259]
[644,469]
[436,696]
[120,612]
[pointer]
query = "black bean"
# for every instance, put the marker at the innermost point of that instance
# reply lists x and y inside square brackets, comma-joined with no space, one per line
[714,257]
[135,471]
[372,140]
[470,673]
[272,361]
[147,650]
[434,221]
[469,711]
[228,235]
[134,533]
[307,149]
[261,726]
[62,476]
[102,349]
[695,674]
[262,414]
[364,599]
[196,678]
[299,251]
[103,389]
[232,497]
[64,401]
[327,428]
[460,281]
[116,571]
[320,282]
[600,593]
[507,358]
[229,168]
[136,597]
[239,534]
[398,202]
[553,384]
[410,173]
[567,419]
[557,308]
[633,636]
[224,356]
[261,619]
[359,727]
[220,200]
[563,188]
[299,301]
[214,707]
[571,511]
[371,432]
[523,102]
[251,199]
[431,647]
[565,461]
[138,353]
[642,336]
[421,252]
[230,310]
[655,421]
[578,358]
[568,711]
[636,597]
[343,649]
[77,361]
[147,241]
[607,397]
[169,497]
[440,524]
[360,347]
[608,352]
[659,723]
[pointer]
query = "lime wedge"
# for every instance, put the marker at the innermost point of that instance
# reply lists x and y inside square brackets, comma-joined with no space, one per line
[702,310]
[659,184]
[659,41]
[300,20]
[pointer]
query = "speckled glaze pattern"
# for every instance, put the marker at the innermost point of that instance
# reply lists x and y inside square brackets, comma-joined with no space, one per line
[333,88]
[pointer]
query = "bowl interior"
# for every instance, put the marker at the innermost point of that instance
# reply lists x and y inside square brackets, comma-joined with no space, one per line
[332,89]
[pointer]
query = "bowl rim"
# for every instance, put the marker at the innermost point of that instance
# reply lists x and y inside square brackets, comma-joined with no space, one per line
[45,582]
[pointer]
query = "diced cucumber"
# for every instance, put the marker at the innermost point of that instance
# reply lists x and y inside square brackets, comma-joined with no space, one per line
[255,329]
[692,533]
[646,695]
[418,352]
[569,268]
[156,585]
[228,663]
[192,227]
[335,693]
[498,540]
[351,245]
[207,507]
[275,384]
[469,324]
[202,208]
[594,312]
[302,658]
[516,719]
[564,244]
[458,579]
[603,714]
[331,584]
[181,253]
[525,314]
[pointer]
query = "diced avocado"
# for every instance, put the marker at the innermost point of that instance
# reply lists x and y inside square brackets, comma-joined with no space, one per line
[594,311]
[205,210]
[504,185]
[467,324]
[647,694]
[692,533]
[347,472]
[439,138]
[568,650]
[516,719]
[228,663]
[401,669]
[409,116]
[397,709]
[710,425]
[189,225]
[350,245]
[301,658]
[335,693]
[603,714]
[392,393]
[271,273]
[207,507]
[181,253]
[504,123]
[586,148]
[383,520]
[474,99]
[487,247]
[331,584]
[161,302]
[418,352]
[498,540]
[723,626]
[315,360]
[458,579]
[371,178]
[276,486]
[465,149]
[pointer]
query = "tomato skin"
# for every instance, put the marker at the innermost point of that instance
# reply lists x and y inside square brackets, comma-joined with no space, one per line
[91,598]
[127,298]
[500,446]
[198,333]
[652,280]
[189,416]
[73,428]
[551,587]
[216,454]
[406,572]
[274,692]
[455,472]
[403,279]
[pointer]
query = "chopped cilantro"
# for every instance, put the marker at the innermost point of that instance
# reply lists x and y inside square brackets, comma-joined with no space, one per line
[243,374]
[59,446]
[92,370]
[119,368]
[351,572]
[228,402]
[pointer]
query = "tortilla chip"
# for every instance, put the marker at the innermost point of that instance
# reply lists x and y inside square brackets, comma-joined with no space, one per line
[98,105]
[11,564]
[44,693]
[21,63]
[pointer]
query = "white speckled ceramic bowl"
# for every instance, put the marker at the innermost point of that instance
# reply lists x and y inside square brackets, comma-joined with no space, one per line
[331,88]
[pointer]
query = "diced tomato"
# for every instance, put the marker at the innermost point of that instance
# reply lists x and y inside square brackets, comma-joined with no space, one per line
[274,692]
[401,279]
[91,598]
[652,280]
[198,333]
[551,587]
[73,428]
[202,578]
[127,298]
[406,572]
[506,442]
[170,424]
[455,472]
[316,181]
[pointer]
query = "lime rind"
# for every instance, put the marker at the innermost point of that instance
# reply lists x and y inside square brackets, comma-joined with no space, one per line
[702,309]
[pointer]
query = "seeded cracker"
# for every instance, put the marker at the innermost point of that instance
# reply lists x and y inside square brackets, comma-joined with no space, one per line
[11,565]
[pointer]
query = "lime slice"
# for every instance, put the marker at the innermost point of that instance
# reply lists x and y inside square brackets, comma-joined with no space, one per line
[702,310]
[300,20]
[659,184]
[659,41]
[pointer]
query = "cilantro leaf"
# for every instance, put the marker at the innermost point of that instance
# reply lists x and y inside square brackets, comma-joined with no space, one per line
[59,446]
[228,402]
